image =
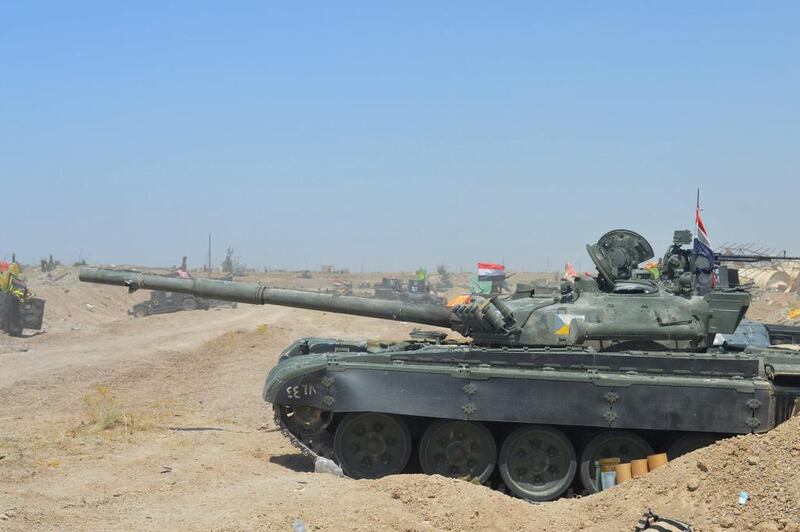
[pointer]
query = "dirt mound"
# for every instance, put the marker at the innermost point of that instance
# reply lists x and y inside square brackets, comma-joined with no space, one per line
[703,488]
[450,504]
[73,305]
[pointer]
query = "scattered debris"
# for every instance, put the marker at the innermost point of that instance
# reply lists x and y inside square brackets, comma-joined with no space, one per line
[326,465]
[651,521]
[59,277]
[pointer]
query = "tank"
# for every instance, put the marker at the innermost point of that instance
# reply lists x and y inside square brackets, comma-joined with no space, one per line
[536,388]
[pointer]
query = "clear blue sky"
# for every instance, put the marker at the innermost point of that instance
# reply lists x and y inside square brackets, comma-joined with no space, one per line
[393,135]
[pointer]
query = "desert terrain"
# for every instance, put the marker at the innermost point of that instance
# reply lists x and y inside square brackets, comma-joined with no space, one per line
[114,423]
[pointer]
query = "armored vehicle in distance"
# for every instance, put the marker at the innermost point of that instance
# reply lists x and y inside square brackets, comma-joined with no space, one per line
[415,291]
[388,288]
[19,309]
[341,288]
[538,387]
[17,315]
[161,302]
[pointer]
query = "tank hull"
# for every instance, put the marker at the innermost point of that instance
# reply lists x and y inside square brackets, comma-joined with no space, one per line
[579,392]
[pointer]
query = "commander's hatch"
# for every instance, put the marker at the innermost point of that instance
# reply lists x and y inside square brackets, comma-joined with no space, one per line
[618,253]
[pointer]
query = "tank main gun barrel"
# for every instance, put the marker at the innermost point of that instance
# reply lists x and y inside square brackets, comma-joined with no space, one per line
[731,257]
[258,294]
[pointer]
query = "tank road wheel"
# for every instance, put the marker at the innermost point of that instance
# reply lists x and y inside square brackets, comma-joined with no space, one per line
[622,444]
[372,445]
[458,449]
[139,313]
[189,303]
[687,443]
[537,463]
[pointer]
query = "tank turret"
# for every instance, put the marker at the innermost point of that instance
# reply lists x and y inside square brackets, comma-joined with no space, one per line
[619,305]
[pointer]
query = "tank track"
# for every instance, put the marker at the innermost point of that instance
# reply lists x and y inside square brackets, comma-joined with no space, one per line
[311,449]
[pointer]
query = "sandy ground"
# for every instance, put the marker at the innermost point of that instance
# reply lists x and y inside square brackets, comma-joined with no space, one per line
[113,423]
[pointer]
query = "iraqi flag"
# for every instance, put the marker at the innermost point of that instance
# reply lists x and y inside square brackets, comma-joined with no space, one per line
[488,271]
[702,245]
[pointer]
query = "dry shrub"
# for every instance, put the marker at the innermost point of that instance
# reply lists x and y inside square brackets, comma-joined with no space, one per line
[258,453]
[48,463]
[104,413]
[101,410]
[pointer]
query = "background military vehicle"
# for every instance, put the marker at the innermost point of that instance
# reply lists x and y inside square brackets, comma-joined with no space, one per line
[618,365]
[17,315]
[339,287]
[389,288]
[414,291]
[19,309]
[162,302]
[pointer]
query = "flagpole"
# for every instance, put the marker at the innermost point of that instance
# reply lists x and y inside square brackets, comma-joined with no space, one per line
[696,212]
